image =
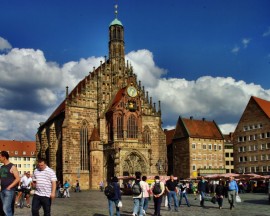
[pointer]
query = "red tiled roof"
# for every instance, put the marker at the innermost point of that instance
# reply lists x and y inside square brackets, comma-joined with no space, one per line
[264,104]
[202,129]
[169,136]
[95,135]
[117,98]
[18,148]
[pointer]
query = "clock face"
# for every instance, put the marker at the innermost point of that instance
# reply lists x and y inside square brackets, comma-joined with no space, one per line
[132,91]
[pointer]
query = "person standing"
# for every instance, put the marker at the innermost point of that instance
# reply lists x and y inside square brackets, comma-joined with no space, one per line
[66,187]
[202,190]
[220,192]
[10,178]
[183,193]
[171,188]
[232,191]
[77,189]
[157,189]
[137,190]
[44,182]
[115,198]
[145,193]
[26,182]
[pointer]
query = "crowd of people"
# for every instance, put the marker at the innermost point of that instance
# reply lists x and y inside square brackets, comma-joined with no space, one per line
[174,191]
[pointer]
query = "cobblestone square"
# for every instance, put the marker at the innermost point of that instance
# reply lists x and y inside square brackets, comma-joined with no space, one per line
[94,203]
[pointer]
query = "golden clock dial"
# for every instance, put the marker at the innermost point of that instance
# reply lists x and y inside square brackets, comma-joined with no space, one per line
[132,91]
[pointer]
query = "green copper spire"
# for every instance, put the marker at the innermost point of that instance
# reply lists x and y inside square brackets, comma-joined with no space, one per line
[116,21]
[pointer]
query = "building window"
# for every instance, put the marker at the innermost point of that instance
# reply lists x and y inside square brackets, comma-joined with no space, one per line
[267,134]
[32,153]
[193,157]
[262,135]
[263,146]
[219,147]
[194,167]
[210,146]
[209,157]
[204,157]
[193,146]
[255,157]
[227,154]
[215,147]
[119,120]
[16,152]
[264,168]
[227,163]
[199,157]
[268,145]
[240,159]
[147,135]
[84,151]
[204,146]
[132,127]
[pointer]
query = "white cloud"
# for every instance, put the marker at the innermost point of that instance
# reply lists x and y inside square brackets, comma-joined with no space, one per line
[266,33]
[31,88]
[235,50]
[245,42]
[146,70]
[4,44]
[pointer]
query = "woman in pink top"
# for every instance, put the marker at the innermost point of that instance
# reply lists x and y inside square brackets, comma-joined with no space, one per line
[146,191]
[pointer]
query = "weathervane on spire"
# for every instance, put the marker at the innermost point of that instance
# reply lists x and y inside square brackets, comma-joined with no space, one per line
[116,12]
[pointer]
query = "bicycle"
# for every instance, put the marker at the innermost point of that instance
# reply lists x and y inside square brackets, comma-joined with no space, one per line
[23,197]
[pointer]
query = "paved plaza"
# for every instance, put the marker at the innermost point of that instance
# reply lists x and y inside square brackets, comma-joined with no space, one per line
[94,203]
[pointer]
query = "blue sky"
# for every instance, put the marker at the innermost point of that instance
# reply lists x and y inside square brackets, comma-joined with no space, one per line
[199,57]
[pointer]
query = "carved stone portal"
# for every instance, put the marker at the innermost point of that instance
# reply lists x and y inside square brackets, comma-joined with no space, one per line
[134,164]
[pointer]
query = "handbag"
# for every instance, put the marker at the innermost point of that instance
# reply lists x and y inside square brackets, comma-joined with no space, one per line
[120,204]
[237,199]
[214,200]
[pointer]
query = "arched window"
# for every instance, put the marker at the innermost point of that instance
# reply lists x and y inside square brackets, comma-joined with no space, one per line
[132,127]
[147,135]
[120,127]
[84,150]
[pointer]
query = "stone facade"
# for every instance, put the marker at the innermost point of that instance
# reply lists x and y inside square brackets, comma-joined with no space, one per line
[252,138]
[197,148]
[106,126]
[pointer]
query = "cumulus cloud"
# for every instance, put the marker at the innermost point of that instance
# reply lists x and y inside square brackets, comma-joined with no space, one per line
[146,70]
[235,50]
[245,42]
[266,33]
[31,88]
[4,44]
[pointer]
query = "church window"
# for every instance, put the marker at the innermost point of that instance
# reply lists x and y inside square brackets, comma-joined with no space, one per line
[147,135]
[132,127]
[120,127]
[84,152]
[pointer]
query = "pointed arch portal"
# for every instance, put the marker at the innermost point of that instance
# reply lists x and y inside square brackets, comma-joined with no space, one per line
[134,164]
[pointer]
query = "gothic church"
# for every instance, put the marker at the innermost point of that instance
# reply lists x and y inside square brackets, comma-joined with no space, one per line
[106,126]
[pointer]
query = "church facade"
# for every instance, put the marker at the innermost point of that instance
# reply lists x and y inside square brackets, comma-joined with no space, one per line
[106,126]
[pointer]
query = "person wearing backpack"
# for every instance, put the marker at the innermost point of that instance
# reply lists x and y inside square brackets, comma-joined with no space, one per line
[114,196]
[137,196]
[157,189]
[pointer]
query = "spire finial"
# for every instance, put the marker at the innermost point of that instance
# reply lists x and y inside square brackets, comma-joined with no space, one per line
[116,11]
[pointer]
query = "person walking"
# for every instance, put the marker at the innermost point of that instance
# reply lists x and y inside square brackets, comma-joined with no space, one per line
[171,188]
[220,192]
[232,191]
[137,189]
[10,178]
[26,183]
[115,198]
[146,191]
[183,193]
[66,187]
[202,190]
[44,182]
[157,189]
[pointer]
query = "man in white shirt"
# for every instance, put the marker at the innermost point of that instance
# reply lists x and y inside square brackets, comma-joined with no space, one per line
[44,180]
[25,186]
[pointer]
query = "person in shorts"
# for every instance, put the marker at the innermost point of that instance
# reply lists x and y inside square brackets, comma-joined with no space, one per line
[25,187]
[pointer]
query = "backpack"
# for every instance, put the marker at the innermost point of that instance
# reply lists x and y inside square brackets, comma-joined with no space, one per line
[109,191]
[136,188]
[157,188]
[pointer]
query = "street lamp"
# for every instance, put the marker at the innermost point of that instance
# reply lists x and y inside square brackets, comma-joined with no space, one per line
[159,166]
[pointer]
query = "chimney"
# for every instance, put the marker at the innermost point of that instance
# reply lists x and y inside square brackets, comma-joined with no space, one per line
[203,119]
[191,117]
